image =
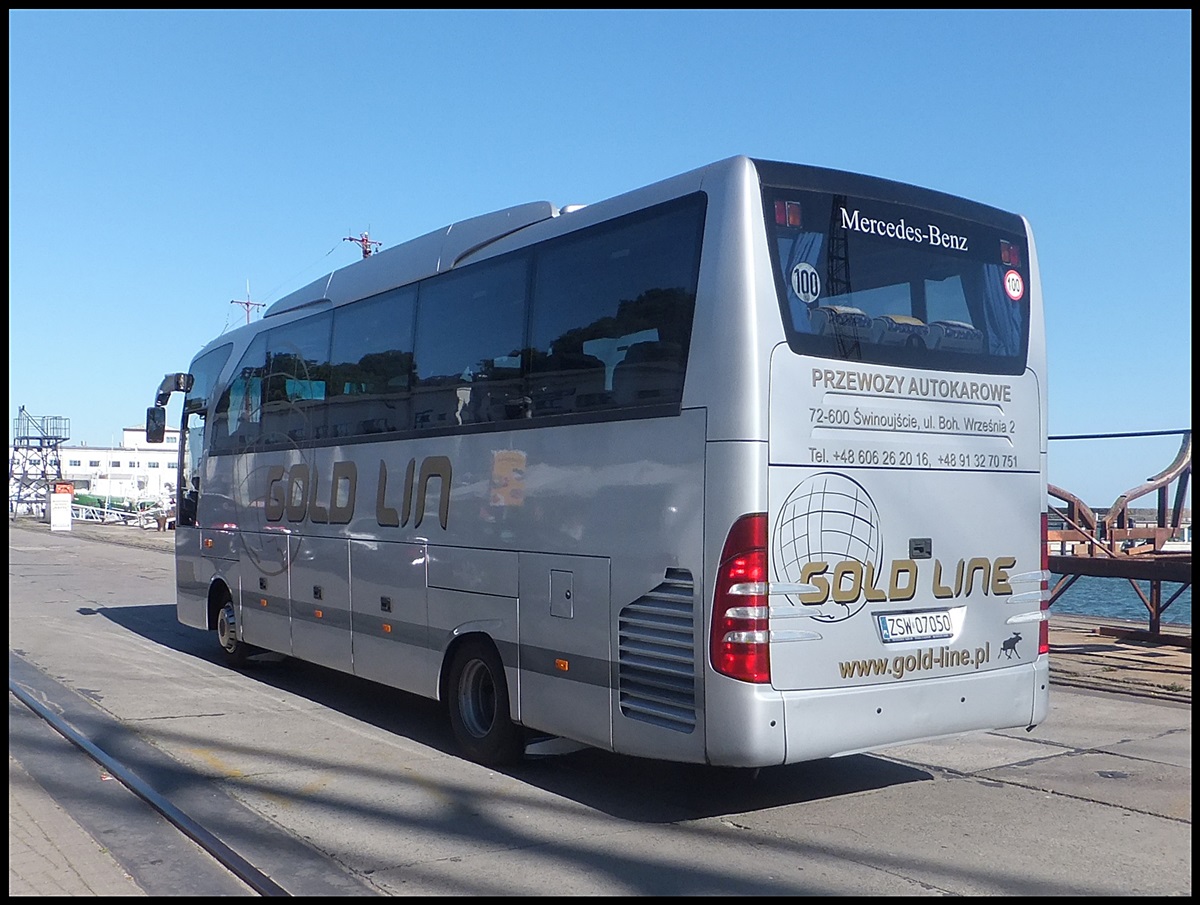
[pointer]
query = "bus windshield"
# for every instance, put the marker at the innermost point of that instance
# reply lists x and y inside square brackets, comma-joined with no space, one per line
[870,281]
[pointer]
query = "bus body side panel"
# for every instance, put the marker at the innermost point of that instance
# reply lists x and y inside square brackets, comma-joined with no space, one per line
[744,722]
[640,505]
[474,590]
[321,620]
[455,612]
[727,374]
[265,614]
[464,531]
[193,577]
[265,551]
[1038,372]
[318,563]
[737,317]
[390,616]
[565,677]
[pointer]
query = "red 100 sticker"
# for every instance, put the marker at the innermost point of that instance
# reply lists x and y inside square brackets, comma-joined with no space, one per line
[1014,285]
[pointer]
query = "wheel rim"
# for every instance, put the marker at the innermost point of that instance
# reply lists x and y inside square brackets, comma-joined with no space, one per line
[227,628]
[477,699]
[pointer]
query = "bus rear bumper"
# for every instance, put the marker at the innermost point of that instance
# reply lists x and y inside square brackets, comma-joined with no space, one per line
[793,726]
[836,722]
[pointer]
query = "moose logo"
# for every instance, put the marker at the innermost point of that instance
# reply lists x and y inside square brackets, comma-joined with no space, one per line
[1009,647]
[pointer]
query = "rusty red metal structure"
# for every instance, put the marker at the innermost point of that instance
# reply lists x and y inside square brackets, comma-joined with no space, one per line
[1112,546]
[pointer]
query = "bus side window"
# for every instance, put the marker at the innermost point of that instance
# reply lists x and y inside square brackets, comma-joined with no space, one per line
[470,328]
[567,380]
[650,372]
[636,306]
[188,501]
[371,365]
[298,369]
[196,409]
[239,410]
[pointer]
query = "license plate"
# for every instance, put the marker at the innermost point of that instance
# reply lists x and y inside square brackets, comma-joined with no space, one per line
[922,626]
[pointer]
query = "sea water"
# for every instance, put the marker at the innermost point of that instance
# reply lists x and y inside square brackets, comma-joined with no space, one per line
[1115,598]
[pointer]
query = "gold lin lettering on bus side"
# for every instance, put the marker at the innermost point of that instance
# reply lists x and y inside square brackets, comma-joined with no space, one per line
[851,580]
[296,493]
[432,467]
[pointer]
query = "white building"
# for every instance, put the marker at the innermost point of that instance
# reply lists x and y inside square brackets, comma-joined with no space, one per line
[133,469]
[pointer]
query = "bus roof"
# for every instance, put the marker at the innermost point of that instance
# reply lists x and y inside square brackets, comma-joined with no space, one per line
[417,258]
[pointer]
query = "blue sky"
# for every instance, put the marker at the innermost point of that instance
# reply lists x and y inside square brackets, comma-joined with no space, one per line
[165,163]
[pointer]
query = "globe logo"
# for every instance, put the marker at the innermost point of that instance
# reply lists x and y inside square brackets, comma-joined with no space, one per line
[827,518]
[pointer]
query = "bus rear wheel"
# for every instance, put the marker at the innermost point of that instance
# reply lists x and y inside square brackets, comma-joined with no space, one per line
[479,706]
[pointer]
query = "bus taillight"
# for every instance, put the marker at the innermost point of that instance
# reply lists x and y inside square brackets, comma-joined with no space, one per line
[740,634]
[1044,625]
[787,213]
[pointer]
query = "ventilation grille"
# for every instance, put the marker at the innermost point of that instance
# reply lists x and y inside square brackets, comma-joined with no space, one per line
[656,660]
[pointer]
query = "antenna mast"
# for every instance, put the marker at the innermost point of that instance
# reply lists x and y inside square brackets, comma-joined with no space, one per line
[364,241]
[247,304]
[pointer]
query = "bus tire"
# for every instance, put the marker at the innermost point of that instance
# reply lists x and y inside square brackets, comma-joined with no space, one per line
[479,706]
[233,651]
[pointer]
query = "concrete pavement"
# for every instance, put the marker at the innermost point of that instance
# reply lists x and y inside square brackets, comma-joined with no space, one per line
[49,854]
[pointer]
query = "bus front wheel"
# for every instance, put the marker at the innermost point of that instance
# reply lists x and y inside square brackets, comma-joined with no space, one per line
[478,703]
[233,649]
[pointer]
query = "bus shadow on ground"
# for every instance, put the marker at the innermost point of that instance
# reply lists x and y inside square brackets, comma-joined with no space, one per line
[622,786]
[653,791]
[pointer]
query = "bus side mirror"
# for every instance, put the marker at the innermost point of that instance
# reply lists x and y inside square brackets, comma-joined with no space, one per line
[156,424]
[173,383]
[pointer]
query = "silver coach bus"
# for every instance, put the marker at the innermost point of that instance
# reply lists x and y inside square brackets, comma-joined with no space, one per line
[745,467]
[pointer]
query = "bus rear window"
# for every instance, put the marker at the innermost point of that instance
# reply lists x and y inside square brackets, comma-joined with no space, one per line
[866,280]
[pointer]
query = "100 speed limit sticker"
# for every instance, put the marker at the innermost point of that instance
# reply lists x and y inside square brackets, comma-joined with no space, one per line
[1013,285]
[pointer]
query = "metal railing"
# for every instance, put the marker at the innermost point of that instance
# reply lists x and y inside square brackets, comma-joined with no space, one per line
[1113,545]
